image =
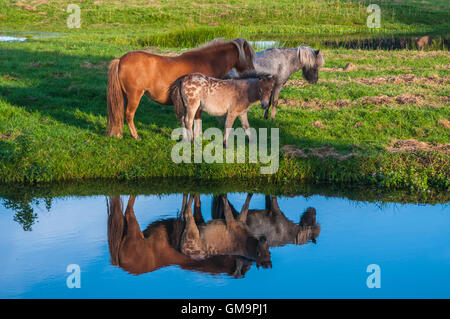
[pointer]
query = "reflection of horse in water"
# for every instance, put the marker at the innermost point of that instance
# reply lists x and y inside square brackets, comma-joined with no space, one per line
[273,224]
[158,245]
[227,236]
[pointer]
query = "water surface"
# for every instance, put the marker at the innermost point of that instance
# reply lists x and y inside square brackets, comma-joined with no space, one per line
[327,258]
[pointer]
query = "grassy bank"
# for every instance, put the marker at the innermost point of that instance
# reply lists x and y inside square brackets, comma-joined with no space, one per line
[53,94]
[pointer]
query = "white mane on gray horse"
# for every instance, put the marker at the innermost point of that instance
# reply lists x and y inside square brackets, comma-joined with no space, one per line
[309,58]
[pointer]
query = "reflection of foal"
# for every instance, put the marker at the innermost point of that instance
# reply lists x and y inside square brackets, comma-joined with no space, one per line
[223,237]
[232,98]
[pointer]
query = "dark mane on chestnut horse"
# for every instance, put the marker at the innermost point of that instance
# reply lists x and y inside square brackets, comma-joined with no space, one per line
[138,72]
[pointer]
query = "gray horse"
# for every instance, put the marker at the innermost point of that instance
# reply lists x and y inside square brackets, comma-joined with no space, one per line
[282,63]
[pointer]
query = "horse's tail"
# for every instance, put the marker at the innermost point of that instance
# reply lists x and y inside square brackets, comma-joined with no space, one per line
[178,98]
[116,227]
[115,100]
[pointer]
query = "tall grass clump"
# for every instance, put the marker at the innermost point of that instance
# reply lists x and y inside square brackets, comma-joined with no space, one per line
[187,37]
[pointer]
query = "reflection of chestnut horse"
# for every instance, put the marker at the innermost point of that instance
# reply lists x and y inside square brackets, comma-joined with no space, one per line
[274,225]
[158,246]
[137,73]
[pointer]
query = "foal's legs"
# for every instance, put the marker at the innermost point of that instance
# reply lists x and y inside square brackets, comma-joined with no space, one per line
[189,118]
[133,98]
[245,125]
[198,123]
[190,241]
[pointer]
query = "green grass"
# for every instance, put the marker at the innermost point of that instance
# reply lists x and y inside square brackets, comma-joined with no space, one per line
[53,93]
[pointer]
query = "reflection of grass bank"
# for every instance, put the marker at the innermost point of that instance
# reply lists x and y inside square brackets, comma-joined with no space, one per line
[53,101]
[23,200]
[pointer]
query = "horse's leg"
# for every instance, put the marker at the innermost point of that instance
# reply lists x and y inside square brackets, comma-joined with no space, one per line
[229,218]
[198,123]
[133,229]
[276,95]
[183,204]
[133,99]
[228,125]
[190,241]
[266,111]
[245,125]
[198,217]
[244,210]
[274,205]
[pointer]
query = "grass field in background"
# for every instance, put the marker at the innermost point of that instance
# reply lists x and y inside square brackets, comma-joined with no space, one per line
[53,91]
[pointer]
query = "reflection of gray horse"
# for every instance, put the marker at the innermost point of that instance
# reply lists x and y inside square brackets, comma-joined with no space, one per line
[282,63]
[274,225]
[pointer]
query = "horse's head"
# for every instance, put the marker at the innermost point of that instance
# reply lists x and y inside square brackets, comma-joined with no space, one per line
[246,55]
[311,61]
[309,229]
[266,83]
[263,257]
[258,250]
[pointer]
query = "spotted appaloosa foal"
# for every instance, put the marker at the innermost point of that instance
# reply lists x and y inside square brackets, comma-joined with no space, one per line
[232,98]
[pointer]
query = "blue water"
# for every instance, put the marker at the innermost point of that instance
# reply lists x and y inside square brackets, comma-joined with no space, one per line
[410,243]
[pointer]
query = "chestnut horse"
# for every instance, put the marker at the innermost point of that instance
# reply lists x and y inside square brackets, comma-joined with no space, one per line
[138,72]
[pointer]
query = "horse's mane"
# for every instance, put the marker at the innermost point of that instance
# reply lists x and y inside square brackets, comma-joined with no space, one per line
[253,75]
[309,58]
[213,44]
[208,45]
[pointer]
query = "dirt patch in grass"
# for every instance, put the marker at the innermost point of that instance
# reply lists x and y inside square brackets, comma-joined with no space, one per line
[315,104]
[318,124]
[30,6]
[348,67]
[7,136]
[99,66]
[10,78]
[322,152]
[445,123]
[397,101]
[431,79]
[412,145]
